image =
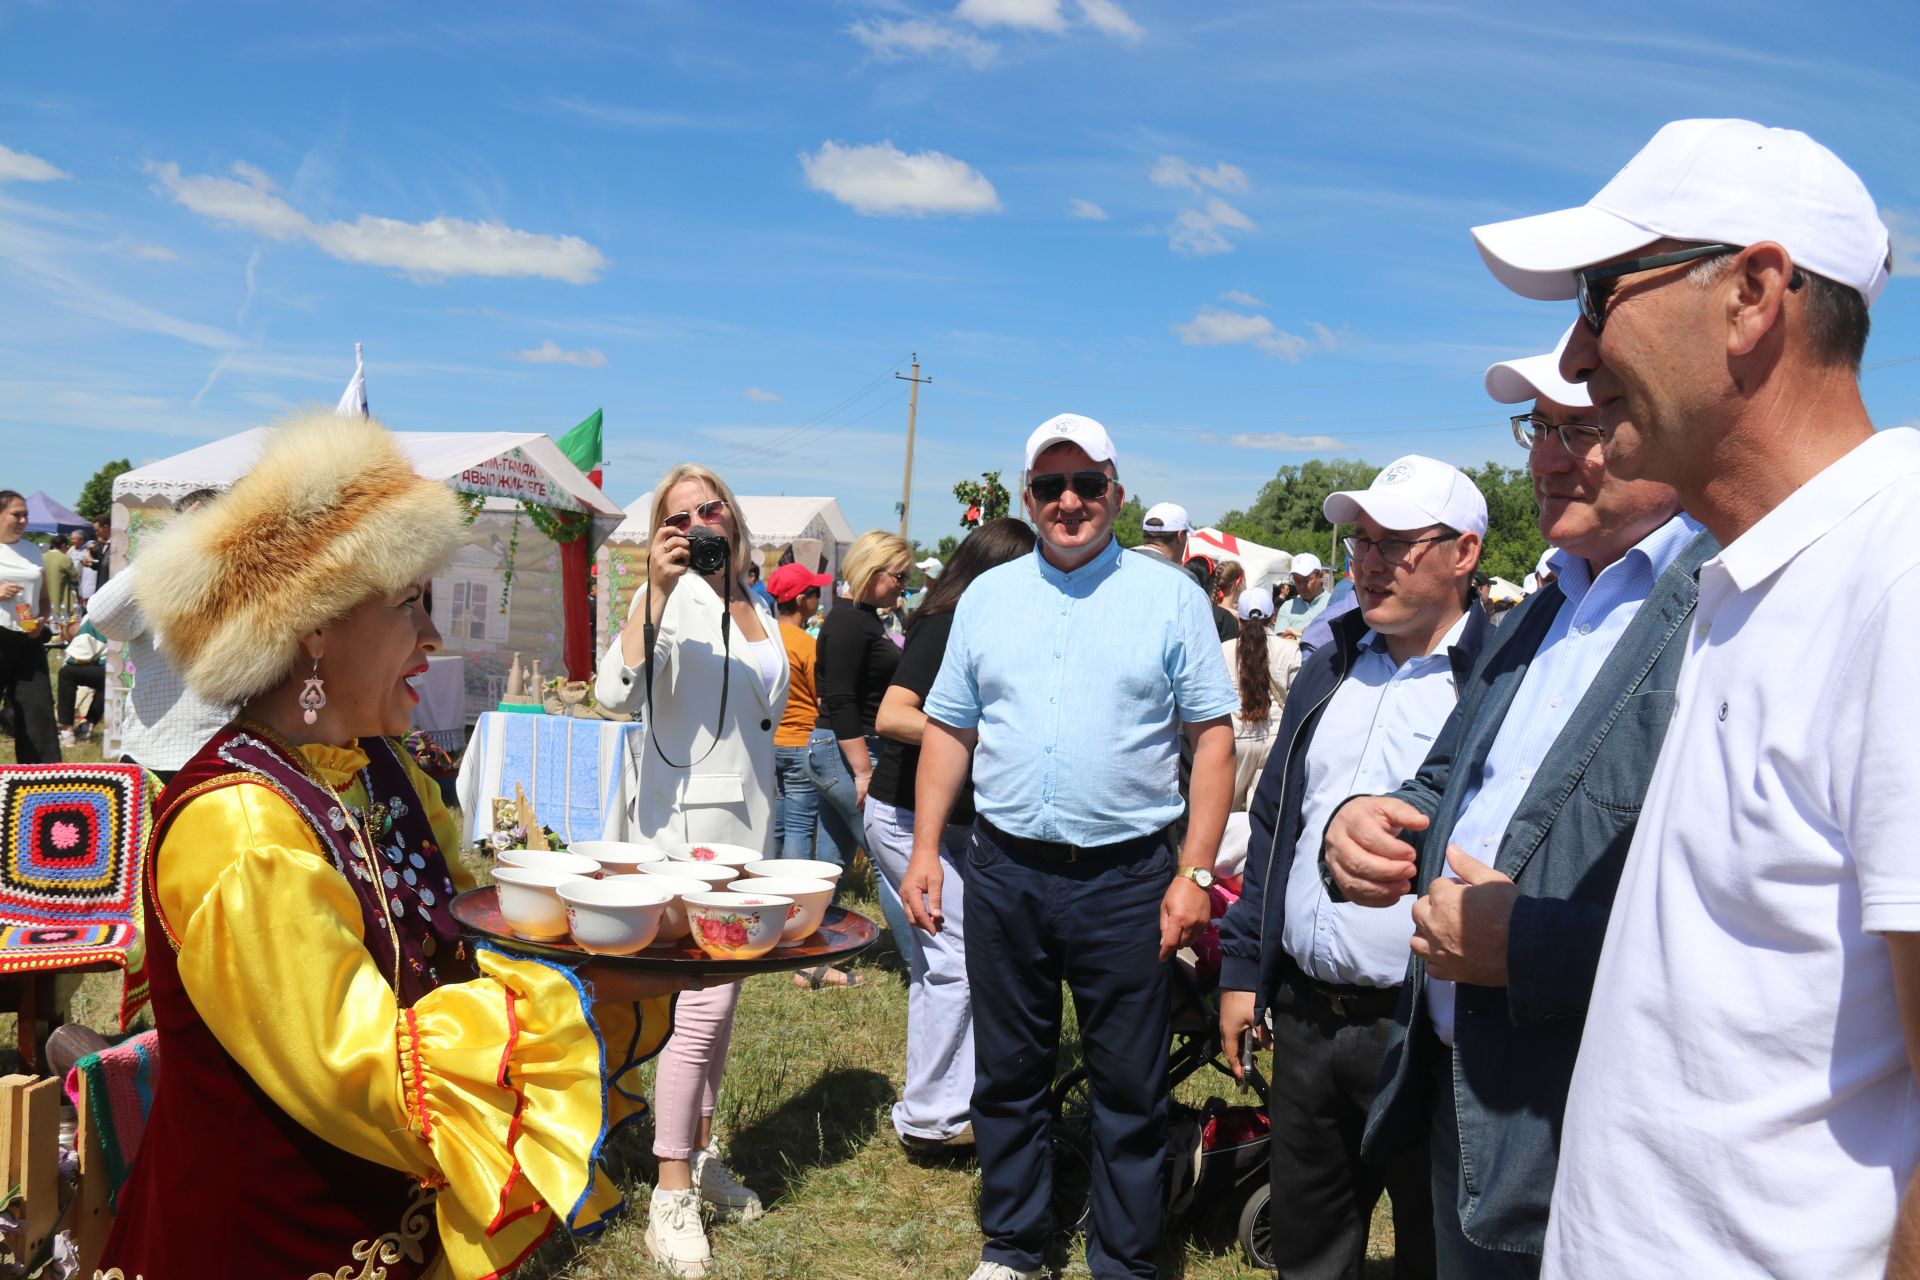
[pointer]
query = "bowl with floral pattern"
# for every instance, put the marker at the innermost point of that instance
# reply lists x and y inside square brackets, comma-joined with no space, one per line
[616,916]
[673,922]
[737,926]
[618,857]
[727,855]
[810,899]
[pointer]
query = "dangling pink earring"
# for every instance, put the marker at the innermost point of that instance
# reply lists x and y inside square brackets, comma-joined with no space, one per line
[313,695]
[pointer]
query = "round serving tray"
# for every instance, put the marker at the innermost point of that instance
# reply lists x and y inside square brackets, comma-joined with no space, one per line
[842,935]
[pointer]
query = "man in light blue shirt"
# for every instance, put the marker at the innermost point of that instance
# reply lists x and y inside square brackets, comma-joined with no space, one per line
[1068,679]
[1541,775]
[1362,714]
[1309,598]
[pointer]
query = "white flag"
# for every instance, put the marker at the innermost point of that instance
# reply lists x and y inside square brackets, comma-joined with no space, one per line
[353,401]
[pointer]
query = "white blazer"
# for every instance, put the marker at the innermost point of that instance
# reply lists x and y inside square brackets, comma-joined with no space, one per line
[726,796]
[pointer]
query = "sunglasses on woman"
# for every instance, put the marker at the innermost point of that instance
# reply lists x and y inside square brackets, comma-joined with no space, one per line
[707,511]
[1088,486]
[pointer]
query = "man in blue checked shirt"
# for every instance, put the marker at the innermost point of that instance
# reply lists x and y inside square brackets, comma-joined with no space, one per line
[1068,680]
[1522,815]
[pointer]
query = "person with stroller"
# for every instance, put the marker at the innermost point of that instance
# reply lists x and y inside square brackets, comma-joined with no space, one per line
[1360,717]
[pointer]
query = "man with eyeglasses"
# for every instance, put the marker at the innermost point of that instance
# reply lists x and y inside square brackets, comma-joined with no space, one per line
[1309,598]
[1744,1097]
[1362,713]
[1517,826]
[1069,677]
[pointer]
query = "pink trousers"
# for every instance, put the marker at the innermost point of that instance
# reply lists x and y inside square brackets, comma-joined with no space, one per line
[688,1079]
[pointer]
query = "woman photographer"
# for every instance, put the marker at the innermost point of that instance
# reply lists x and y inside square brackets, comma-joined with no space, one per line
[934,1111]
[718,677]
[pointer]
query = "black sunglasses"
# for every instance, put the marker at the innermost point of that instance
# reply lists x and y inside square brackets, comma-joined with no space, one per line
[1088,486]
[1594,285]
[708,510]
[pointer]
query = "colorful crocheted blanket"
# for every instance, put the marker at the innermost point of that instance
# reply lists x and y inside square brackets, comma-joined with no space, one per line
[116,1087]
[72,853]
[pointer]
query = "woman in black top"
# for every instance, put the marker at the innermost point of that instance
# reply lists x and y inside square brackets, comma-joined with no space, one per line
[853,663]
[933,1110]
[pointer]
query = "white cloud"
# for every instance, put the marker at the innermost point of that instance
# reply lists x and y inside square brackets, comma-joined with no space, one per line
[1108,17]
[550,352]
[1218,327]
[760,395]
[890,41]
[1031,15]
[18,166]
[153,253]
[880,180]
[1086,209]
[432,250]
[1203,231]
[1903,227]
[1282,442]
[1241,298]
[1176,174]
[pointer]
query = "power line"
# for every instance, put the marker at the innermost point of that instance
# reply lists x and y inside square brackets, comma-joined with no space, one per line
[744,453]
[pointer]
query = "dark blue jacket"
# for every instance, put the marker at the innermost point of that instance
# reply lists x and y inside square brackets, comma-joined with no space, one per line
[1514,1046]
[1250,933]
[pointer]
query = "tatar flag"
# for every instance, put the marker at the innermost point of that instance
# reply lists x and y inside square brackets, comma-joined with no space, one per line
[582,444]
[353,401]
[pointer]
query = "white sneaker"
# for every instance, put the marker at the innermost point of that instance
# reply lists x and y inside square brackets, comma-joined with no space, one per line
[720,1189]
[1001,1271]
[675,1237]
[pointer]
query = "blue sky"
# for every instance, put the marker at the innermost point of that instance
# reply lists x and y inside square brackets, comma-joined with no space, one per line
[1234,232]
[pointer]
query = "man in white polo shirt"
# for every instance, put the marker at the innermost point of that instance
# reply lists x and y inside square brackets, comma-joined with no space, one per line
[1744,1100]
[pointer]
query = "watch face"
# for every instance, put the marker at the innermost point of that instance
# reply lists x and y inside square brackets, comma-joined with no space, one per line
[1199,876]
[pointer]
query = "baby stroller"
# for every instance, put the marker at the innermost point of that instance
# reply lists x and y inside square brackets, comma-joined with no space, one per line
[1217,1151]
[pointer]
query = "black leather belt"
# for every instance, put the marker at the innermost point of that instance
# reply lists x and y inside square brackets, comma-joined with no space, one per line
[1059,851]
[1348,1003]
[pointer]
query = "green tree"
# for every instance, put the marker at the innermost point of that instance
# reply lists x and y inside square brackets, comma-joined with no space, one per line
[1513,520]
[981,500]
[1126,523]
[96,497]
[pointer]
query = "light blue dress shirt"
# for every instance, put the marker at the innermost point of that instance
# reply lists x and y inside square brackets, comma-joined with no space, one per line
[1576,646]
[1078,684]
[1377,728]
[1296,615]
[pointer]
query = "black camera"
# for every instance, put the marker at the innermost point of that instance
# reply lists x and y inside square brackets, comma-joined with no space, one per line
[707,551]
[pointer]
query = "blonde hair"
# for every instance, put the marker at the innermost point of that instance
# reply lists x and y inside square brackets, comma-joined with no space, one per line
[872,551]
[740,543]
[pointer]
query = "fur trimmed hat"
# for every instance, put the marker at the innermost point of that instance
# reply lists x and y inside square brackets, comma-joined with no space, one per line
[331,515]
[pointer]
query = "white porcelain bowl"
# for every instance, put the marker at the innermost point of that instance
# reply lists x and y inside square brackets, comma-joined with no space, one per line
[807,868]
[810,899]
[617,857]
[615,917]
[548,860]
[727,855]
[712,873]
[530,900]
[737,926]
[673,921]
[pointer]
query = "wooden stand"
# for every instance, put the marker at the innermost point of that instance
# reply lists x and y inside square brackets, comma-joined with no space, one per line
[30,1146]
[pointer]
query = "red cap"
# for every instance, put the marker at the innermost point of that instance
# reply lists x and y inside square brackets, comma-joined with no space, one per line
[789,580]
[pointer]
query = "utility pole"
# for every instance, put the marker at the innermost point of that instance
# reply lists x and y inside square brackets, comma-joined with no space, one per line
[913,407]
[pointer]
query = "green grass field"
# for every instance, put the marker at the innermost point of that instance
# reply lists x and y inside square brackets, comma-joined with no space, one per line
[804,1119]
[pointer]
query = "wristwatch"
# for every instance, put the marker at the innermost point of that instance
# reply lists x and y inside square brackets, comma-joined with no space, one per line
[1199,875]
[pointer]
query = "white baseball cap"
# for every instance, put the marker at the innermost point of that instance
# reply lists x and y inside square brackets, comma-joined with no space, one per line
[1538,377]
[931,566]
[1725,181]
[1255,602]
[1166,517]
[1305,565]
[1072,428]
[1412,493]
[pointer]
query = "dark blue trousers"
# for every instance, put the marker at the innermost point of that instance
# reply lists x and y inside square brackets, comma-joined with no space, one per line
[1094,925]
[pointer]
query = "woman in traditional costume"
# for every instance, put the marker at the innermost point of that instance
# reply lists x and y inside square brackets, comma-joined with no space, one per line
[348,1088]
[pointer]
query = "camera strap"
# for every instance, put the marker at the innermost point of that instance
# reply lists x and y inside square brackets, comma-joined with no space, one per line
[726,672]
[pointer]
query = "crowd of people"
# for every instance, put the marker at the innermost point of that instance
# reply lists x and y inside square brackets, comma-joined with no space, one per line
[1576,927]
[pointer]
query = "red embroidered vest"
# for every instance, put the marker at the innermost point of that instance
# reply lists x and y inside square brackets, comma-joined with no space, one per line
[226,1184]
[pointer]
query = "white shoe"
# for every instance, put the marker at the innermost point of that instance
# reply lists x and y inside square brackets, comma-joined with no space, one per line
[720,1189]
[1001,1271]
[675,1237]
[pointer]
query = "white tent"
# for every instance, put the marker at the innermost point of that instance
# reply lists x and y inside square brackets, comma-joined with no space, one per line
[814,528]
[504,591]
[1264,565]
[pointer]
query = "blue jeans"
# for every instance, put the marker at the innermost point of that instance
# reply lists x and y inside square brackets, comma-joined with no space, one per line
[841,825]
[796,806]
